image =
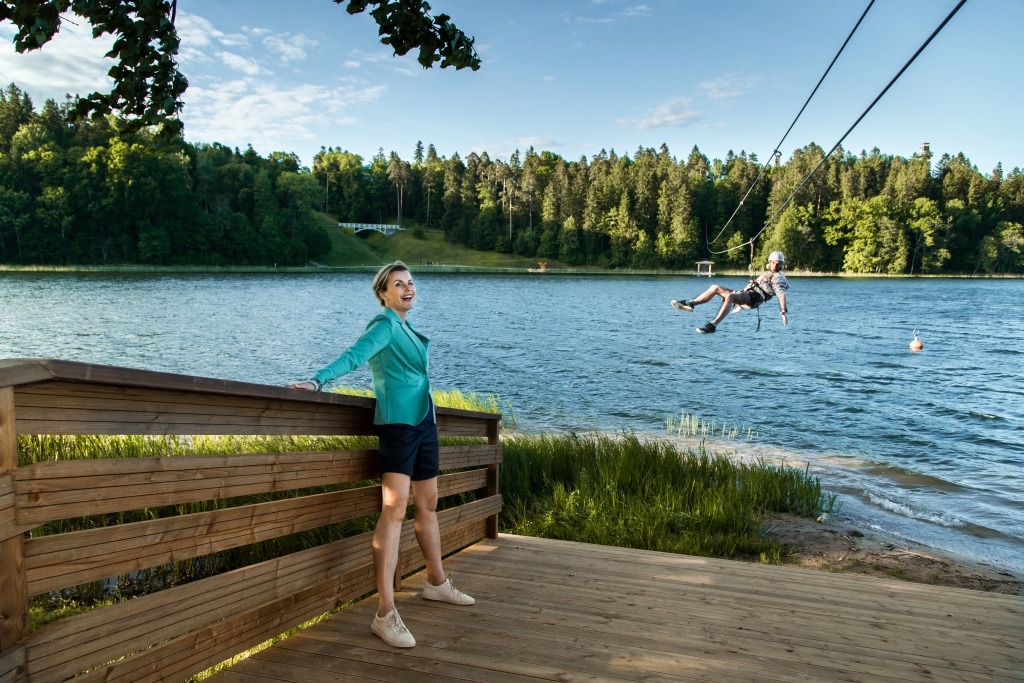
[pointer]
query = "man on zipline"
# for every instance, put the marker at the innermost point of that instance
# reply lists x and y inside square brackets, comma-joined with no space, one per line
[771,283]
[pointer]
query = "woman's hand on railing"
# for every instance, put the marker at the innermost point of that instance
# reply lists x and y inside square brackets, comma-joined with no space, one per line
[308,386]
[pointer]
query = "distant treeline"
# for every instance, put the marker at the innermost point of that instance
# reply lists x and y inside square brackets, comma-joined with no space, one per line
[77,193]
[872,213]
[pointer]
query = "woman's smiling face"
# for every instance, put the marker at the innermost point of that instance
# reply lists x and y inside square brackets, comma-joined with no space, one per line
[401,292]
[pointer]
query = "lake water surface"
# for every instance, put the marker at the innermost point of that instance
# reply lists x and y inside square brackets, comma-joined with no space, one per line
[928,446]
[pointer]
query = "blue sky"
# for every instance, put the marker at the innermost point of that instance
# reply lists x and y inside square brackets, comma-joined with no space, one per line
[576,76]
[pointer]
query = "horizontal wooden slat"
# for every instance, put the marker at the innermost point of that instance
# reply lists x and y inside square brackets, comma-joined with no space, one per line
[25,371]
[457,457]
[70,396]
[73,645]
[22,372]
[19,371]
[12,665]
[58,490]
[62,560]
[54,490]
[458,425]
[83,399]
[33,403]
[115,396]
[69,408]
[177,659]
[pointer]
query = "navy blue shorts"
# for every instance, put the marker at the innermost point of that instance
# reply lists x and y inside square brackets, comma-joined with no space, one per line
[410,450]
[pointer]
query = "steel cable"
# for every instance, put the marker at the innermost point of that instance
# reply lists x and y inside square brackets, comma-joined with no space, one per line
[808,101]
[849,130]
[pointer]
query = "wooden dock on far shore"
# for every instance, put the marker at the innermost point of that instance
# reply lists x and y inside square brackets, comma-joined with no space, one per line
[560,611]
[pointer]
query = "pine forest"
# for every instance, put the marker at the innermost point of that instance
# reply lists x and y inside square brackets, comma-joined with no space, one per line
[81,193]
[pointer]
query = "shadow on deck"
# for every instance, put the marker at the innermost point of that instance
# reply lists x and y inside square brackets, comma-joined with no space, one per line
[561,611]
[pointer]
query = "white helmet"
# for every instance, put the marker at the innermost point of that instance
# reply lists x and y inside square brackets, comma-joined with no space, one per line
[777,256]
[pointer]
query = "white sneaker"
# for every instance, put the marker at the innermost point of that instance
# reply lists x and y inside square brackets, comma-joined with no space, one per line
[391,630]
[683,305]
[446,592]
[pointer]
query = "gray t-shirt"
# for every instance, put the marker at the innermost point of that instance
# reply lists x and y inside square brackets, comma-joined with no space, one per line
[773,284]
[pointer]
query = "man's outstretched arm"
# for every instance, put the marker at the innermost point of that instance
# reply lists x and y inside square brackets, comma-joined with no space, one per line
[782,309]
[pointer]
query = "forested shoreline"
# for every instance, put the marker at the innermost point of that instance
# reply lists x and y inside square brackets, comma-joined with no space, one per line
[78,193]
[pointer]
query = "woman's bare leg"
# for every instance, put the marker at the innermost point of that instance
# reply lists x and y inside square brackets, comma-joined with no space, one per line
[712,291]
[388,534]
[424,495]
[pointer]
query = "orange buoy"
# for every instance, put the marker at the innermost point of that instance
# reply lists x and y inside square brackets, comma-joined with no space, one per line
[917,344]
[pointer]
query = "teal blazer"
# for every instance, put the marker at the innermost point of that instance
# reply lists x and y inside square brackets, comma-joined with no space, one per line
[397,355]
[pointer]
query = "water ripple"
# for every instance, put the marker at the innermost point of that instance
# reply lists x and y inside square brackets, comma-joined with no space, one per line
[610,353]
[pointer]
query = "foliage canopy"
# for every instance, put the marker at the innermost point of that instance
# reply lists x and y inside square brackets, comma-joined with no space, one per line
[147,84]
[79,191]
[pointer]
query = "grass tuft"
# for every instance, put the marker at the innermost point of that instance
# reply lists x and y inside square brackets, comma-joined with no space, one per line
[648,494]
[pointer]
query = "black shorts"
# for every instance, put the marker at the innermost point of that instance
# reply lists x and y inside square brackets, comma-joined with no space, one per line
[410,450]
[750,297]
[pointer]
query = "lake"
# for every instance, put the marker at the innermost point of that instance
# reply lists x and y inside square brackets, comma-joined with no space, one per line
[927,446]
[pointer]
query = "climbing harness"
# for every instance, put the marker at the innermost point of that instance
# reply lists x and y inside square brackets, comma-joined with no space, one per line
[775,153]
[849,130]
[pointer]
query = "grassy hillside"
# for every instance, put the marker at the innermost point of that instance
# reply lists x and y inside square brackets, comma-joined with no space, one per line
[373,248]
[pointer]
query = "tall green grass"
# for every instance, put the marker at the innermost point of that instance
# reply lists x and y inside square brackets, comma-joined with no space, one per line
[622,490]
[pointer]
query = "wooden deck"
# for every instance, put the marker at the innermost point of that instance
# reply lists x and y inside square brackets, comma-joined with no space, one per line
[559,611]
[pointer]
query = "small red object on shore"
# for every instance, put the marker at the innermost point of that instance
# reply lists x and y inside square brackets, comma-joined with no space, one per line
[917,344]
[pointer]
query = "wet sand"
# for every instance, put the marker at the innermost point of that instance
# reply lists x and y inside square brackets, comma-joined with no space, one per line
[838,546]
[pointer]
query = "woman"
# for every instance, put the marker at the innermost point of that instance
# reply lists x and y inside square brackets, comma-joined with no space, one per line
[404,420]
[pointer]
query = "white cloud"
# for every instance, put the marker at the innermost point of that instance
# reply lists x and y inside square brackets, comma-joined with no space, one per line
[291,48]
[251,110]
[728,87]
[195,32]
[377,56]
[549,78]
[504,148]
[351,63]
[675,112]
[240,63]
[636,11]
[71,63]
[535,142]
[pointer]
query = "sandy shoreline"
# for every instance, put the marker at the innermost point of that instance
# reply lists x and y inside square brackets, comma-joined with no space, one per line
[843,547]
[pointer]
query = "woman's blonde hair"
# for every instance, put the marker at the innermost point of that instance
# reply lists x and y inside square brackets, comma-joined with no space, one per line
[380,280]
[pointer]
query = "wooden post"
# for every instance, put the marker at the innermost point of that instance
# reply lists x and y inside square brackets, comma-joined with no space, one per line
[492,477]
[14,624]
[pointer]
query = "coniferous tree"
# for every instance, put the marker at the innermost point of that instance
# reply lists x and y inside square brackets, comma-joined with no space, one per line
[79,192]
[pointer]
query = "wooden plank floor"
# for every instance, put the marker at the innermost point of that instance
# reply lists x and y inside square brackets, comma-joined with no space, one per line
[559,611]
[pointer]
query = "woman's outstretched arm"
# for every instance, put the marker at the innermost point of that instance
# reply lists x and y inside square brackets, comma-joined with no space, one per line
[376,337]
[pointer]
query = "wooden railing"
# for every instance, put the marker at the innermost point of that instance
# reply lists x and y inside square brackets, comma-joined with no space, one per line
[174,633]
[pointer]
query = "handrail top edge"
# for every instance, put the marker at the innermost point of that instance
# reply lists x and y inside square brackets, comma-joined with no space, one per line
[16,372]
